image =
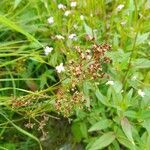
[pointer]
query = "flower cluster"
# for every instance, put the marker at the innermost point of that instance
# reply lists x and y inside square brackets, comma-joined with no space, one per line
[68,101]
[91,62]
[87,65]
[27,100]
[51,20]
[39,125]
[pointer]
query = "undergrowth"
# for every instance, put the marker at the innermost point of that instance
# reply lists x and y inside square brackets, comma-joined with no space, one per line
[74,74]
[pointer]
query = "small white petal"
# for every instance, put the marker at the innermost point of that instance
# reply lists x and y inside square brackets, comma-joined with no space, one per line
[120,7]
[73,4]
[122,91]
[60,68]
[72,36]
[123,23]
[134,78]
[48,50]
[141,93]
[89,57]
[61,6]
[82,17]
[59,37]
[67,13]
[97,83]
[91,15]
[50,20]
[75,26]
[110,82]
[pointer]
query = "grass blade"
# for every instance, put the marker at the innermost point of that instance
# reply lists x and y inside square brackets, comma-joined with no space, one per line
[17,28]
[23,131]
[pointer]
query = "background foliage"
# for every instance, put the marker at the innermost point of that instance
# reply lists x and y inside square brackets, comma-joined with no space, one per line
[116,114]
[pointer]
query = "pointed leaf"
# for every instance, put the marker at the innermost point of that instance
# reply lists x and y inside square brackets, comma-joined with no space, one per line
[126,127]
[17,2]
[141,63]
[142,38]
[103,141]
[103,124]
[88,30]
[101,98]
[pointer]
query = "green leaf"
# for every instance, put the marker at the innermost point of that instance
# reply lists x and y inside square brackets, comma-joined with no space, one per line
[117,87]
[141,63]
[103,141]
[131,114]
[17,2]
[79,130]
[146,125]
[122,139]
[146,141]
[145,114]
[125,142]
[126,127]
[83,129]
[129,95]
[101,98]
[103,124]
[142,38]
[119,58]
[86,87]
[37,58]
[88,30]
[8,146]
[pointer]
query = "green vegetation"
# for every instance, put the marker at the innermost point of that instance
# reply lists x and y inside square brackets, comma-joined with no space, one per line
[74,75]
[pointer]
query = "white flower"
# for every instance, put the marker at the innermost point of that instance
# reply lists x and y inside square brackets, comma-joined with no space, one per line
[75,26]
[73,4]
[97,83]
[122,91]
[134,78]
[50,20]
[60,68]
[82,17]
[140,15]
[59,37]
[110,82]
[61,6]
[67,13]
[89,57]
[48,50]
[120,7]
[88,54]
[123,23]
[141,93]
[72,36]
